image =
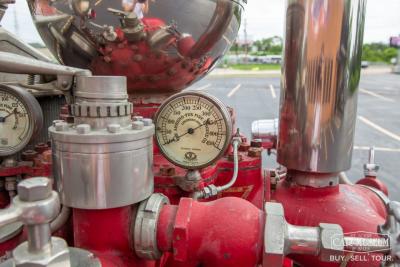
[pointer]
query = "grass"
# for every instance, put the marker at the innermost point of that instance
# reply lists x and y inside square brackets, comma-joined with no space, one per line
[255,67]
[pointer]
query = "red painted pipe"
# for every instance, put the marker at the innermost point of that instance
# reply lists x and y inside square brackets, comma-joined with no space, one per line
[355,208]
[107,233]
[225,232]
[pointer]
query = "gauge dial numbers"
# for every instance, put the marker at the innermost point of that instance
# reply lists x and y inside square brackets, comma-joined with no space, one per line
[20,117]
[193,129]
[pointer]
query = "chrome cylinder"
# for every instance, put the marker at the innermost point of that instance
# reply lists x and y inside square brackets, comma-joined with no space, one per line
[321,73]
[102,161]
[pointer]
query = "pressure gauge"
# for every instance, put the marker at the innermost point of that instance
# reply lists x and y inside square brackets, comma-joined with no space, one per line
[21,117]
[193,129]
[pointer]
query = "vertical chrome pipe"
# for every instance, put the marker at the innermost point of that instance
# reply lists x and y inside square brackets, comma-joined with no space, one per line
[321,73]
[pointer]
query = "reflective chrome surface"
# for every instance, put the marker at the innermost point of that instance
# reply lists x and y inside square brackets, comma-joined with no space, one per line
[321,73]
[101,161]
[173,45]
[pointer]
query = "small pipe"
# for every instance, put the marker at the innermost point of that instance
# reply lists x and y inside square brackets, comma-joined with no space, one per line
[61,219]
[235,144]
[343,179]
[213,190]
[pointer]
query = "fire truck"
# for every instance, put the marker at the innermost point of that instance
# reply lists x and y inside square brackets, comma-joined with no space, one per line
[107,161]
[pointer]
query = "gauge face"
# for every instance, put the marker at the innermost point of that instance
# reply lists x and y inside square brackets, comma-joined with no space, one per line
[193,129]
[17,119]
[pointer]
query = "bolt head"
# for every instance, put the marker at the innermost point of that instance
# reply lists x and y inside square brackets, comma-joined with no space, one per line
[147,122]
[34,189]
[137,118]
[9,163]
[61,126]
[83,128]
[56,121]
[137,125]
[113,128]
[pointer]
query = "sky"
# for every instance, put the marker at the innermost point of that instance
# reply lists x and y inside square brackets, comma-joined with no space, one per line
[264,19]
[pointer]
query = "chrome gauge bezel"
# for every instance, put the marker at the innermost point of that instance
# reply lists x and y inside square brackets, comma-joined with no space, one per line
[218,105]
[34,113]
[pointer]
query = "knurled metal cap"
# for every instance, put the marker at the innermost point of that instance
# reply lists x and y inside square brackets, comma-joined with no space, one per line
[34,189]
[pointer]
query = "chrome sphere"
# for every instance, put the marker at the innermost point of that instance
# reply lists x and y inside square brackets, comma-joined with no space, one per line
[159,45]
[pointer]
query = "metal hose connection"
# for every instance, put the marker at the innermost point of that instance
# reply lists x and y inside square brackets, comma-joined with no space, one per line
[213,190]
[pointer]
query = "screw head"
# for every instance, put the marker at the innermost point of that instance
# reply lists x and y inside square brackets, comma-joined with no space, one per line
[113,128]
[83,128]
[137,125]
[34,189]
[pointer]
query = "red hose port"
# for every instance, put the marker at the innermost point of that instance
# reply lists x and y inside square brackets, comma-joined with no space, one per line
[226,232]
[355,208]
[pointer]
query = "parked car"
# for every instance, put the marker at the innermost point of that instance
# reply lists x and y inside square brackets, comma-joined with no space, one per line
[364,64]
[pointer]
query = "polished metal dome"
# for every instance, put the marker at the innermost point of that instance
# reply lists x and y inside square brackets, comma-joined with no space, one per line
[160,45]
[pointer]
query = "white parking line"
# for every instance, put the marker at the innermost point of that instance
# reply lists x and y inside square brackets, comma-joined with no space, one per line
[204,87]
[234,90]
[271,87]
[376,95]
[383,149]
[379,128]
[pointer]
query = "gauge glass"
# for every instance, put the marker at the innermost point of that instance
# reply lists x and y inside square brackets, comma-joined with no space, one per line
[193,129]
[16,122]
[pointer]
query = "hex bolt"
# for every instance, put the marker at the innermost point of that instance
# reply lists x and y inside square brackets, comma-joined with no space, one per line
[9,163]
[113,128]
[41,147]
[57,121]
[147,122]
[254,152]
[137,118]
[29,155]
[137,125]
[256,143]
[30,190]
[61,126]
[34,189]
[83,128]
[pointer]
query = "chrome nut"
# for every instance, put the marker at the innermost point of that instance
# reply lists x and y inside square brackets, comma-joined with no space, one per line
[332,241]
[210,191]
[57,257]
[34,189]
[274,235]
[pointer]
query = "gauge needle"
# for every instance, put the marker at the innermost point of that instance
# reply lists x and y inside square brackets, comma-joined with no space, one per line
[189,131]
[3,119]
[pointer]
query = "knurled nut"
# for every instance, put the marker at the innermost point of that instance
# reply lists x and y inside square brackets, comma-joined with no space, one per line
[102,111]
[145,227]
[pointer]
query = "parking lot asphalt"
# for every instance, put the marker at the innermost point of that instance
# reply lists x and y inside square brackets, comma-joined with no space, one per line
[256,97]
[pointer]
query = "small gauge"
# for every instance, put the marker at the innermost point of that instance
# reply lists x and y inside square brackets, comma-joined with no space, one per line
[193,129]
[21,117]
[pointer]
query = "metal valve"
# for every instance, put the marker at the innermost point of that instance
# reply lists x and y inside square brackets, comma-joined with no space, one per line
[36,205]
[371,169]
[391,228]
